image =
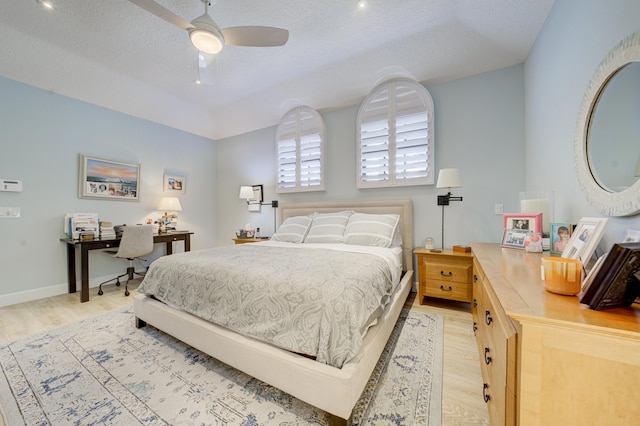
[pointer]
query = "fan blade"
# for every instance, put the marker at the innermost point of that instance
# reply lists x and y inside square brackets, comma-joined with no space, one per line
[162,13]
[207,68]
[255,36]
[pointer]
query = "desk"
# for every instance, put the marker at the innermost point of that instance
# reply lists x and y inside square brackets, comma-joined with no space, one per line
[100,243]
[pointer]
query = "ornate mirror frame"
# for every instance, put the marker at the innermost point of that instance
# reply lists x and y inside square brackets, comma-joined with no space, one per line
[627,201]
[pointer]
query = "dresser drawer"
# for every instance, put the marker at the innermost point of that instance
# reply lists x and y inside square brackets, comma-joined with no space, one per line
[448,272]
[451,290]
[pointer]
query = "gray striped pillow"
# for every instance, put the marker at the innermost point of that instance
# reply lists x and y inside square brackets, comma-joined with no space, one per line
[379,230]
[293,229]
[328,227]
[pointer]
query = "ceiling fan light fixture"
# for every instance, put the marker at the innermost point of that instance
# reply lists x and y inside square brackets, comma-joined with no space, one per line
[206,41]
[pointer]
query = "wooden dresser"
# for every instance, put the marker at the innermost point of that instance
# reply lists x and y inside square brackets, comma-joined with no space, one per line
[546,359]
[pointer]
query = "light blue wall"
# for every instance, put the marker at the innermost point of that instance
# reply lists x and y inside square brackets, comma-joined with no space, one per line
[574,40]
[41,136]
[479,129]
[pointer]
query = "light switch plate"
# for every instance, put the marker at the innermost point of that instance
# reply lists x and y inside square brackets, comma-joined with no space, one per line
[9,212]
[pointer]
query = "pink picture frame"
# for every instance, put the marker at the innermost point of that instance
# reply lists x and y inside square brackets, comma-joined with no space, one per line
[529,221]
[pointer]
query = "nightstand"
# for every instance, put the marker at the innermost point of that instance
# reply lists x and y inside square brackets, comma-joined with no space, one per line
[249,240]
[446,275]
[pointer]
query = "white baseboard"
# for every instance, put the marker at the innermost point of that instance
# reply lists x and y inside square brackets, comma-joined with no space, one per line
[43,292]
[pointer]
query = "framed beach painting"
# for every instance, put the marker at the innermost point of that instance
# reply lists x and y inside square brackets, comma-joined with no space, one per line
[108,179]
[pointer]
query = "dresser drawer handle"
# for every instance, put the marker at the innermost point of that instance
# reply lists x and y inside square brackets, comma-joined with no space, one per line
[485,395]
[487,358]
[475,303]
[475,278]
[487,317]
[449,274]
[475,327]
[445,289]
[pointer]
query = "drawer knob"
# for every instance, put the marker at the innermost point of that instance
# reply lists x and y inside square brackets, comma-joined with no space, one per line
[445,289]
[485,395]
[487,358]
[475,278]
[487,317]
[475,303]
[449,274]
[475,327]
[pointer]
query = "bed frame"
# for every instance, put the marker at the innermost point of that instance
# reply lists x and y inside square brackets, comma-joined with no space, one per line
[334,390]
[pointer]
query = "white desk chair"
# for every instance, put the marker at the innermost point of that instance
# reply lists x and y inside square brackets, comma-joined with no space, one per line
[137,240]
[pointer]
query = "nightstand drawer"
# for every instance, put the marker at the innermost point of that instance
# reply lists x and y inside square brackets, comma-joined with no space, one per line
[448,272]
[451,290]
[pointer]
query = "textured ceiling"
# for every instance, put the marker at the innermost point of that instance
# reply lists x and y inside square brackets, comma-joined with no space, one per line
[113,54]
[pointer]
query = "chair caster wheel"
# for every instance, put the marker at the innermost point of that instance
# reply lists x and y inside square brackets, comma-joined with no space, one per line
[126,293]
[100,293]
[118,284]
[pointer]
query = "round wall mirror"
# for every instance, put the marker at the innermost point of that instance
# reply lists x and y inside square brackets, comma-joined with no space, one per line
[607,143]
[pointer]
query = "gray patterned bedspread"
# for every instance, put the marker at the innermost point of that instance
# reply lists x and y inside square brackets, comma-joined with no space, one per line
[316,302]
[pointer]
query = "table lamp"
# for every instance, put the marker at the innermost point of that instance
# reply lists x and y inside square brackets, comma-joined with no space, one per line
[169,205]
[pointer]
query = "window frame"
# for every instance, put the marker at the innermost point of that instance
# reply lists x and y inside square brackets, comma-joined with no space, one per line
[300,133]
[391,116]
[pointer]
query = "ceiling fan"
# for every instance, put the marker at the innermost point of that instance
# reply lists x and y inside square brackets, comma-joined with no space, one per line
[210,39]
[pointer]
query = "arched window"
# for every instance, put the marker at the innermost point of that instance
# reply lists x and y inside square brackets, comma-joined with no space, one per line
[395,136]
[300,145]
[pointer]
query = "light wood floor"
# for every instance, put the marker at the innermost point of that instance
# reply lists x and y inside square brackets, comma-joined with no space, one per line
[462,402]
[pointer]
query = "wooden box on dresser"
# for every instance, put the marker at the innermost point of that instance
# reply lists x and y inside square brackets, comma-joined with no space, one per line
[445,274]
[550,360]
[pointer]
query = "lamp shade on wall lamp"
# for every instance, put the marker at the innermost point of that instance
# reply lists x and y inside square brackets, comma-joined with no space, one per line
[246,192]
[449,178]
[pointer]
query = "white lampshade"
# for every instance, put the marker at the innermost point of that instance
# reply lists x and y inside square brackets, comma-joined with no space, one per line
[170,204]
[246,192]
[449,178]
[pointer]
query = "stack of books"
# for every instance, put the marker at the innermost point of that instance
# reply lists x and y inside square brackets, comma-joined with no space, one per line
[85,225]
[107,230]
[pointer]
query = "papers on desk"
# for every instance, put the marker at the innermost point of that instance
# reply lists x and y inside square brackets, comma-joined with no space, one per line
[77,224]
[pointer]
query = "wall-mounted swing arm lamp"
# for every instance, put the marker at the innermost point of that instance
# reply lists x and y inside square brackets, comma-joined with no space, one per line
[448,178]
[254,197]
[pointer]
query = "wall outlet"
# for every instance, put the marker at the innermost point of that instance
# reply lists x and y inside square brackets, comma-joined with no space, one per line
[499,209]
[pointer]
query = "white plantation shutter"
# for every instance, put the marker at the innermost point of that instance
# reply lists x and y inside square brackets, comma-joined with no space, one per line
[300,151]
[395,136]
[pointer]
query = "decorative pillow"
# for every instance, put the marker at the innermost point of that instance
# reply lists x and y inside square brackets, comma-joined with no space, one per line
[293,229]
[328,227]
[379,230]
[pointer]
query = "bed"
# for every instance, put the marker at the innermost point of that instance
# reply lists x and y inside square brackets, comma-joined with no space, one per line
[332,389]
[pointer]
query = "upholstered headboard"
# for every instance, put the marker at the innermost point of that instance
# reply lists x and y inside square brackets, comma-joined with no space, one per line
[403,208]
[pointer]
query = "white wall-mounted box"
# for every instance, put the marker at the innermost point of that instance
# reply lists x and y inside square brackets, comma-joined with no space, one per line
[10,185]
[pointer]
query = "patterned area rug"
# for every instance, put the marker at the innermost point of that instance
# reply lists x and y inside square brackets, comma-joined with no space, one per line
[105,371]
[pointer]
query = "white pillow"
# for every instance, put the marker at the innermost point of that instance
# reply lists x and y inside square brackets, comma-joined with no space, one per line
[328,227]
[381,230]
[293,229]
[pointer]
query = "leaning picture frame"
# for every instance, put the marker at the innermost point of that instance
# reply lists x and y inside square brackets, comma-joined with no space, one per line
[632,236]
[523,221]
[514,238]
[108,179]
[585,238]
[174,184]
[560,233]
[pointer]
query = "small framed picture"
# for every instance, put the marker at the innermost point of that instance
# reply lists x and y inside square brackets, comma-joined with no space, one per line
[514,238]
[585,238]
[523,221]
[174,184]
[632,236]
[560,235]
